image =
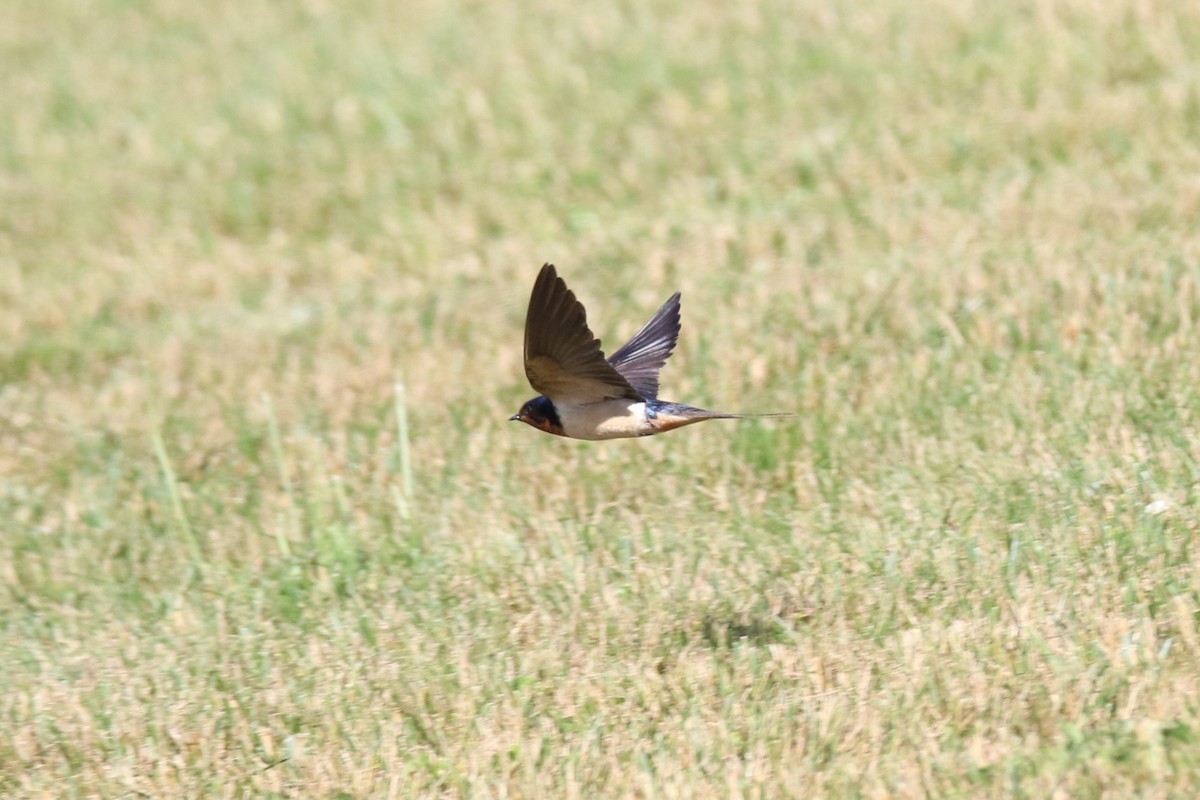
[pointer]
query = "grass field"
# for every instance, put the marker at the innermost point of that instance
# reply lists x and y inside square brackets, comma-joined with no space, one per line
[958,238]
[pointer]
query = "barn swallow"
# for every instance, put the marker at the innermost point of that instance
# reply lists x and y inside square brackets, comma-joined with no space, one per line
[587,396]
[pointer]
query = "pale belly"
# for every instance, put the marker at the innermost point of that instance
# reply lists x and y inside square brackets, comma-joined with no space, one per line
[611,419]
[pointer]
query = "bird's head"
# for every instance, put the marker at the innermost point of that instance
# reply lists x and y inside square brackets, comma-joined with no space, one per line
[540,413]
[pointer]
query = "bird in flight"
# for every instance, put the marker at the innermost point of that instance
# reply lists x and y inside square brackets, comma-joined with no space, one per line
[587,396]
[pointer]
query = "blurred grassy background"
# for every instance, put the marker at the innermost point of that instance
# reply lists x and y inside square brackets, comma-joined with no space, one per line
[958,237]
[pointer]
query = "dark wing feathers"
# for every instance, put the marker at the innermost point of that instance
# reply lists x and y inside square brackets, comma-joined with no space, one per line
[640,360]
[563,359]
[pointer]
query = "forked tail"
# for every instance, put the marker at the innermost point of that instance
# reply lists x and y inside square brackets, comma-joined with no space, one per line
[676,415]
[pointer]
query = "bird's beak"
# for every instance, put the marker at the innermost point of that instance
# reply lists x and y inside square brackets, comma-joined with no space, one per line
[515,418]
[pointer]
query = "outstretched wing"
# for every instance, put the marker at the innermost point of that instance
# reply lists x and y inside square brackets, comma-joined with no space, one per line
[640,360]
[563,359]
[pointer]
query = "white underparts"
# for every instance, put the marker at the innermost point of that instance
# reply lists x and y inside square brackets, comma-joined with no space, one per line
[610,419]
